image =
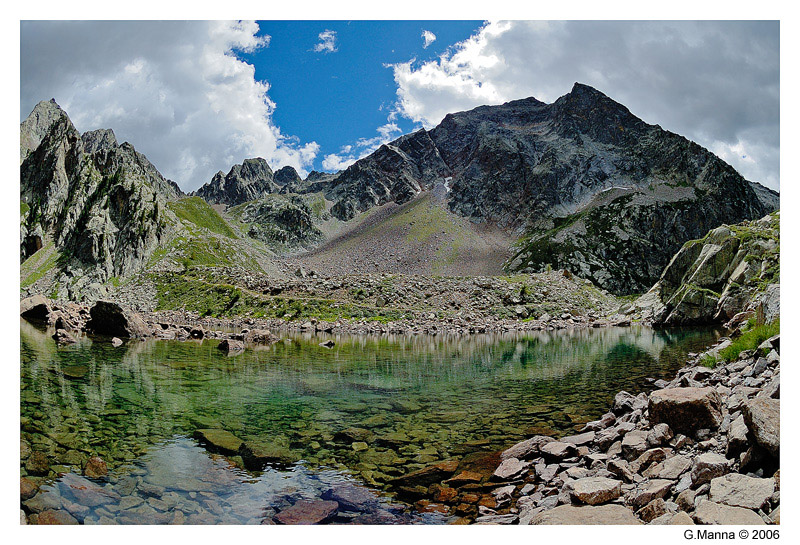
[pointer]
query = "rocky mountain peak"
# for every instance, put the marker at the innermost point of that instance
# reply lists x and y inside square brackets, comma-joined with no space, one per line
[286,175]
[38,123]
[248,181]
[98,140]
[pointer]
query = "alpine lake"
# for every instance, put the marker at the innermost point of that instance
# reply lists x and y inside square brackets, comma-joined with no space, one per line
[356,415]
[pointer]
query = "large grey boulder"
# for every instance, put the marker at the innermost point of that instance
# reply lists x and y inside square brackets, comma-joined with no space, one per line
[708,466]
[36,307]
[763,419]
[596,490]
[686,410]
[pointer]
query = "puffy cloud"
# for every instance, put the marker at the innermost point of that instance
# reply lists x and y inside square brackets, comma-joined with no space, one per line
[351,153]
[174,89]
[429,37]
[327,42]
[714,82]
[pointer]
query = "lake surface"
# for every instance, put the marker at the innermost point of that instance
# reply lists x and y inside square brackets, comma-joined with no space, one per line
[413,400]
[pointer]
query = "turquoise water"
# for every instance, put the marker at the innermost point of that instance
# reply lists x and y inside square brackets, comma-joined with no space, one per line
[415,400]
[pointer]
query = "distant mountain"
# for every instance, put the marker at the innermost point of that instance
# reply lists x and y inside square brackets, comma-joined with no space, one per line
[246,182]
[591,187]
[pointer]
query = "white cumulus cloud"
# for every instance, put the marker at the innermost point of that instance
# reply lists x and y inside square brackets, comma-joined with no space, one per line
[429,37]
[327,42]
[351,153]
[173,89]
[716,83]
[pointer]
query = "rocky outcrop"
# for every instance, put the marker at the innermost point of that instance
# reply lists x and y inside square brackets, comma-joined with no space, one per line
[101,205]
[111,319]
[280,220]
[250,180]
[732,272]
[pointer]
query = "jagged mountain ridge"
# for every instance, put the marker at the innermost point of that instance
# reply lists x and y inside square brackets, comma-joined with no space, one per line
[101,205]
[244,182]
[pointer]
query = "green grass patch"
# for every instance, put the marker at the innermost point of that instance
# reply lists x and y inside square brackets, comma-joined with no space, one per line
[23,208]
[749,340]
[197,211]
[38,265]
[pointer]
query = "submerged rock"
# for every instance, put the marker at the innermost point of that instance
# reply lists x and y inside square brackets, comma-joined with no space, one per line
[218,440]
[308,512]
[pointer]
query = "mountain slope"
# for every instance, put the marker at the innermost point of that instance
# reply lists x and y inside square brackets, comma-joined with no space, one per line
[549,171]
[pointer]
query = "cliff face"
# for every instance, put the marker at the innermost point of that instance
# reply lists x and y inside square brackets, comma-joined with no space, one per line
[99,206]
[251,180]
[733,268]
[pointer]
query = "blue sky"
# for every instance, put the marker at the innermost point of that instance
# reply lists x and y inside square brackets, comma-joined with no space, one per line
[336,98]
[197,97]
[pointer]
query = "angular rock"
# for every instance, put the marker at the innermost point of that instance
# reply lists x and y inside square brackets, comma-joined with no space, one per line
[659,435]
[762,416]
[109,318]
[86,492]
[526,449]
[596,490]
[586,515]
[27,489]
[686,410]
[580,439]
[557,450]
[708,466]
[307,512]
[709,512]
[260,336]
[427,475]
[671,468]
[657,488]
[509,469]
[737,490]
[634,444]
[62,336]
[652,510]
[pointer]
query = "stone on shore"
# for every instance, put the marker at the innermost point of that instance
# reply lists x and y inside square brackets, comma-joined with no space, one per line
[762,416]
[708,466]
[526,449]
[307,512]
[586,515]
[686,410]
[36,307]
[509,469]
[259,336]
[737,490]
[709,512]
[109,318]
[596,490]
[558,450]
[427,475]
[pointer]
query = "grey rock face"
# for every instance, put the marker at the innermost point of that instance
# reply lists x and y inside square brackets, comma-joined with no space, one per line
[282,219]
[395,172]
[102,205]
[251,180]
[715,277]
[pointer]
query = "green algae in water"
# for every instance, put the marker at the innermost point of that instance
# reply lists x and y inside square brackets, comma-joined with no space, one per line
[420,398]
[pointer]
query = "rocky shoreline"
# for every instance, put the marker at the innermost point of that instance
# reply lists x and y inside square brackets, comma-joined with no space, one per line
[107,320]
[702,449]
